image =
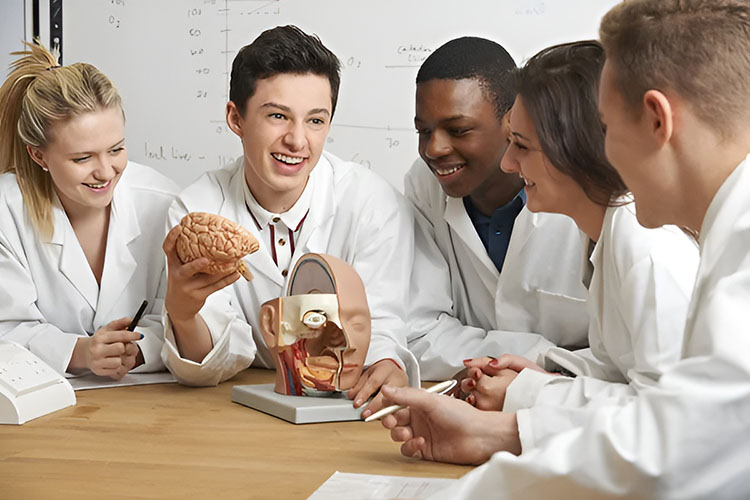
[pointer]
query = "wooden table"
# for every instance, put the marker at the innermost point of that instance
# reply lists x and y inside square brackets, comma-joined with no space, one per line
[169,441]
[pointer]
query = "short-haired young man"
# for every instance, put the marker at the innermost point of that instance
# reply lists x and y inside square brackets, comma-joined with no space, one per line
[295,198]
[674,98]
[486,270]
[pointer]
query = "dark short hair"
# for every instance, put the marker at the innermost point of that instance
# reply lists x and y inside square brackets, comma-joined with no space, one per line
[559,87]
[284,49]
[471,57]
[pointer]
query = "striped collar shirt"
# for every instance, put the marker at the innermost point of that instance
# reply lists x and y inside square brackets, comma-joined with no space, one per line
[280,232]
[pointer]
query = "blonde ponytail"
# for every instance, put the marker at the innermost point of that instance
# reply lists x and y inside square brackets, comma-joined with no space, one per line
[37,94]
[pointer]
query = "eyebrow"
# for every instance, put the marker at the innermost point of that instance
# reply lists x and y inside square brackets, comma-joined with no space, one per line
[449,119]
[78,153]
[521,136]
[287,109]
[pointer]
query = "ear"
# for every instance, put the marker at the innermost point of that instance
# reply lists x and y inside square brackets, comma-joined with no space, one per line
[234,119]
[659,113]
[37,155]
[267,320]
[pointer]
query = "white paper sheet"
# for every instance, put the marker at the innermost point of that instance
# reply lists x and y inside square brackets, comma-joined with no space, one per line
[91,381]
[347,486]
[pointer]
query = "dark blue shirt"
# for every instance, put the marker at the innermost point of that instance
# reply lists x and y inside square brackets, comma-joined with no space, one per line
[495,231]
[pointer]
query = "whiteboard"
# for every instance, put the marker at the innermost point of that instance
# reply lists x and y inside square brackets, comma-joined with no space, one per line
[171,59]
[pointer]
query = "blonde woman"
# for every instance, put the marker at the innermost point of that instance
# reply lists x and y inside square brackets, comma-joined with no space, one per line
[80,226]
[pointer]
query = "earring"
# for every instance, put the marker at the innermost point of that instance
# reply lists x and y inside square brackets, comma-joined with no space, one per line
[45,169]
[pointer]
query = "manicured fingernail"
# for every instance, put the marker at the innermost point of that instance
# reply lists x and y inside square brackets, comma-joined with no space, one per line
[471,384]
[358,402]
[467,360]
[141,336]
[366,413]
[476,375]
[493,363]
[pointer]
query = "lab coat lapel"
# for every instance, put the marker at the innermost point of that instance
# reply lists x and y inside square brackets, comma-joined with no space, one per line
[234,208]
[119,263]
[72,261]
[460,223]
[524,224]
[317,227]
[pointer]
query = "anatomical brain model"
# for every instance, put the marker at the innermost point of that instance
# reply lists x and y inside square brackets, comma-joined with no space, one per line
[319,332]
[219,239]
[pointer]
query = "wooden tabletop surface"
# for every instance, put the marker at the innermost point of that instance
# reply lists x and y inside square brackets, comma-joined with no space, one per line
[170,441]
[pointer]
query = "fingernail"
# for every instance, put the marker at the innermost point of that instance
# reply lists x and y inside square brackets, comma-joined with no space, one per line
[366,413]
[471,384]
[141,336]
[476,375]
[493,363]
[358,402]
[467,360]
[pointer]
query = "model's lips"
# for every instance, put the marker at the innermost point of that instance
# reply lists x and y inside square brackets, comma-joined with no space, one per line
[288,160]
[444,171]
[98,186]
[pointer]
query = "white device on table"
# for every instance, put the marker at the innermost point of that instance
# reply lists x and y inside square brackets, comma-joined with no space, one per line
[29,388]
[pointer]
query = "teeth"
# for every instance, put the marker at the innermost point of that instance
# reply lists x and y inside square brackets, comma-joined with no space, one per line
[447,171]
[528,182]
[97,186]
[291,160]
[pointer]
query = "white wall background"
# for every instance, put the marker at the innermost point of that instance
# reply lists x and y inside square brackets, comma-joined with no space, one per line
[12,31]
[171,59]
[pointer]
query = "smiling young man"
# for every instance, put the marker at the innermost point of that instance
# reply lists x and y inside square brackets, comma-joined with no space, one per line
[486,271]
[295,198]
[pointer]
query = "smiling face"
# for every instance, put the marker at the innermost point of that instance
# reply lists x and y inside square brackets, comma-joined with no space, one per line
[461,138]
[283,130]
[85,156]
[547,189]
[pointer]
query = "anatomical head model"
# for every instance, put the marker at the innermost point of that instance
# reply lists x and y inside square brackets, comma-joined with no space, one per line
[319,332]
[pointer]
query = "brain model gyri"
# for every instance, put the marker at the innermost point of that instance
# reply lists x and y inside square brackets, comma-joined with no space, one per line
[217,238]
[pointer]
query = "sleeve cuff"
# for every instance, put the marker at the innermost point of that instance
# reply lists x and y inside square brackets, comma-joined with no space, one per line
[399,355]
[151,346]
[523,391]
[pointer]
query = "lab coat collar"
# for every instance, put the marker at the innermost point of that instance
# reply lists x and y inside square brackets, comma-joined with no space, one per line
[317,226]
[72,261]
[458,220]
[119,263]
[729,199]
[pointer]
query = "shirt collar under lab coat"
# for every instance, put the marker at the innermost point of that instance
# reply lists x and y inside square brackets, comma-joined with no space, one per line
[292,218]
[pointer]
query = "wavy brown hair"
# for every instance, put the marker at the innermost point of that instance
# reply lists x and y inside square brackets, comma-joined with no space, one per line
[559,87]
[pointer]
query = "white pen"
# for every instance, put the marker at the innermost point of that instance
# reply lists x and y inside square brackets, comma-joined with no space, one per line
[440,388]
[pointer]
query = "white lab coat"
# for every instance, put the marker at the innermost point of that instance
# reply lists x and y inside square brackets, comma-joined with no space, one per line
[683,437]
[354,215]
[638,299]
[49,294]
[463,307]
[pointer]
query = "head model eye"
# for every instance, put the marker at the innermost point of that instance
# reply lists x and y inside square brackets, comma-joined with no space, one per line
[314,319]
